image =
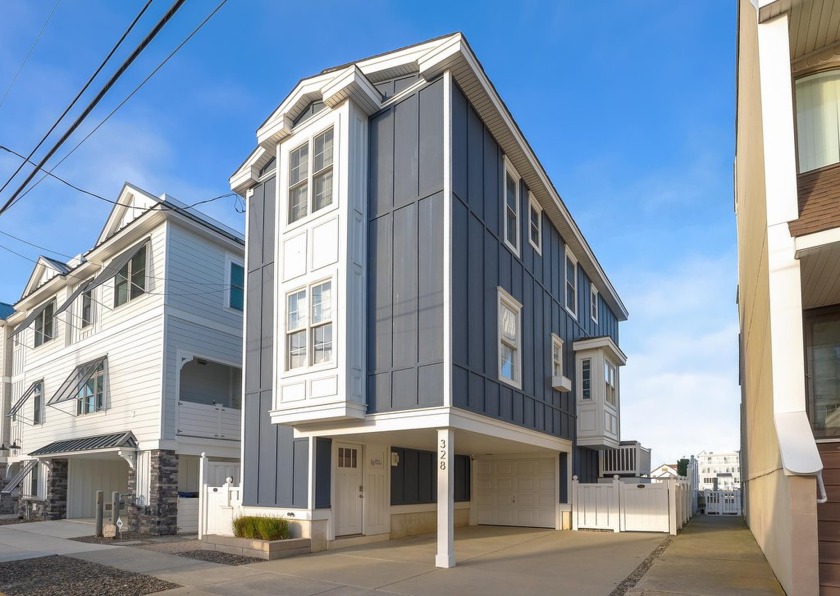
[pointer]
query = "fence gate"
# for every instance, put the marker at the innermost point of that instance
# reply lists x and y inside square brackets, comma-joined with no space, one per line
[644,507]
[723,502]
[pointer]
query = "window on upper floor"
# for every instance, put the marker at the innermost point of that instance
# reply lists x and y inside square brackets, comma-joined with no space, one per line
[236,286]
[817,120]
[45,324]
[822,374]
[38,403]
[586,378]
[90,396]
[610,383]
[571,283]
[130,281]
[593,304]
[534,223]
[309,326]
[86,309]
[511,206]
[556,356]
[311,176]
[510,355]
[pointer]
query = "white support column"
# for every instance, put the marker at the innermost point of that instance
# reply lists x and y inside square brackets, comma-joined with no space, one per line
[445,498]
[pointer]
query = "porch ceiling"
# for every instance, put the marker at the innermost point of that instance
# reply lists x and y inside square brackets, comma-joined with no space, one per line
[814,26]
[820,273]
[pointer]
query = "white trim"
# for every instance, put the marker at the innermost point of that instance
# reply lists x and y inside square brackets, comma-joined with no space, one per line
[570,257]
[309,367]
[229,261]
[803,244]
[593,303]
[535,205]
[447,238]
[596,343]
[505,300]
[301,138]
[509,170]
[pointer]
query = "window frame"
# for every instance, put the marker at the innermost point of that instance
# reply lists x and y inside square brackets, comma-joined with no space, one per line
[509,170]
[308,140]
[129,278]
[309,328]
[573,310]
[39,406]
[556,348]
[42,319]
[811,317]
[582,388]
[506,300]
[610,383]
[86,324]
[593,303]
[534,208]
[100,401]
[230,262]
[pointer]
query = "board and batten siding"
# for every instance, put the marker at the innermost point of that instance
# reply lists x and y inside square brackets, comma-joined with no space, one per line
[275,465]
[405,254]
[482,262]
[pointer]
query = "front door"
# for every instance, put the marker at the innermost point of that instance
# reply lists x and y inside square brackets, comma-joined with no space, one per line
[349,489]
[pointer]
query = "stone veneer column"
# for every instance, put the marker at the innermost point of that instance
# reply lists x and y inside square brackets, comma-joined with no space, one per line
[133,512]
[56,501]
[162,516]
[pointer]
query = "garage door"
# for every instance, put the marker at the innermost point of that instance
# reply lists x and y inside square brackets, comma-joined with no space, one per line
[516,492]
[86,476]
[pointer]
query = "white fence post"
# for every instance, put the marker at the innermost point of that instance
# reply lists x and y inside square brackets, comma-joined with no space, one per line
[672,507]
[616,525]
[575,502]
[202,495]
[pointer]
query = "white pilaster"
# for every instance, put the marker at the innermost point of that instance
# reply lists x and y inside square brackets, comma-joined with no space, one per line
[445,498]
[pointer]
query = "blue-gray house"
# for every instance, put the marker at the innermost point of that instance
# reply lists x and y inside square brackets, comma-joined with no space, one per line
[430,341]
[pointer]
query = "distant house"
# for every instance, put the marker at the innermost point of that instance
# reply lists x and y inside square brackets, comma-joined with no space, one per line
[6,310]
[430,340]
[664,472]
[126,366]
[719,470]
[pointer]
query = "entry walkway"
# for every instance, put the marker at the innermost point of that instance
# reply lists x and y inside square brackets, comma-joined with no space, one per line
[714,554]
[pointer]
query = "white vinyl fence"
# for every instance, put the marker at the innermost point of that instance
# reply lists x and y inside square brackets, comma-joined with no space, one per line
[219,497]
[723,502]
[631,507]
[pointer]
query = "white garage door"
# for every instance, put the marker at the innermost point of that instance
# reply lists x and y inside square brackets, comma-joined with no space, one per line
[516,492]
[86,476]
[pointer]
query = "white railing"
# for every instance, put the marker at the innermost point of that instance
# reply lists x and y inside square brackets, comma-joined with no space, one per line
[629,507]
[723,502]
[627,460]
[210,421]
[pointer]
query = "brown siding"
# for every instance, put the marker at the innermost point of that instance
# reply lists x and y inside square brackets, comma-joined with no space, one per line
[828,515]
[819,201]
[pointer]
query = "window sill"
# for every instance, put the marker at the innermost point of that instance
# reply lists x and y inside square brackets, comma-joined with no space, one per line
[511,382]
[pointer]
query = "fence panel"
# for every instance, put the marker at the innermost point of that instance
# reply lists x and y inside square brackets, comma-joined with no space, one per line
[644,507]
[596,506]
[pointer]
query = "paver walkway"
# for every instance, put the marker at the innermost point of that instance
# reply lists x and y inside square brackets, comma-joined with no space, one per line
[714,554]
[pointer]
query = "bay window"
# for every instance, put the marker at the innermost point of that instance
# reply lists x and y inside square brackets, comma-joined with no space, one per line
[309,326]
[311,176]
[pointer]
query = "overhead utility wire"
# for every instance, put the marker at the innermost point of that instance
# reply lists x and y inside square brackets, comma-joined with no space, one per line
[79,94]
[29,53]
[123,102]
[142,46]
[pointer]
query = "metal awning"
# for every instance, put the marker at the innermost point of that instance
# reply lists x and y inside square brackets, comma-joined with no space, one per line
[97,443]
[82,287]
[26,395]
[114,266]
[25,468]
[32,316]
[69,389]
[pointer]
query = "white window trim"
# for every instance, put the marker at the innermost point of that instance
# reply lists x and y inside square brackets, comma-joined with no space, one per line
[581,398]
[506,300]
[104,408]
[43,406]
[509,169]
[570,256]
[310,348]
[319,124]
[147,280]
[593,303]
[614,368]
[533,204]
[229,261]
[556,347]
[47,338]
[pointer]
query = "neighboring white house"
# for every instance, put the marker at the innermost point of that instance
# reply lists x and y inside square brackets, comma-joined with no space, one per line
[719,470]
[127,366]
[6,311]
[664,472]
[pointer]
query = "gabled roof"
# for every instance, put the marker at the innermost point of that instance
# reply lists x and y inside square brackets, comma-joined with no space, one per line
[429,60]
[45,269]
[6,310]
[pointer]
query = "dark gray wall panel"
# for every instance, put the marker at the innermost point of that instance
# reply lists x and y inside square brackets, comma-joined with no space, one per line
[267,322]
[429,385]
[382,168]
[460,308]
[323,473]
[406,151]
[253,332]
[475,163]
[251,447]
[474,277]
[270,191]
[430,280]
[585,464]
[300,465]
[564,478]
[492,182]
[404,389]
[391,87]
[431,138]
[379,294]
[460,388]
[459,146]
[414,478]
[405,317]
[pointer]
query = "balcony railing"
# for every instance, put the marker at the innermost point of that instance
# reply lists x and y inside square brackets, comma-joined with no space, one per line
[629,459]
[209,421]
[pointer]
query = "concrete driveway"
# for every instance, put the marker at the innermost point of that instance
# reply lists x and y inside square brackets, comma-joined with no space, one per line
[490,560]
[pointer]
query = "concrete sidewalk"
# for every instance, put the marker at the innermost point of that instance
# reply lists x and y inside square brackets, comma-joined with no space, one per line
[714,554]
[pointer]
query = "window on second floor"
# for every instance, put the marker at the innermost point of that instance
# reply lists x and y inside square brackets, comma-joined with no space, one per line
[586,378]
[86,309]
[38,403]
[534,223]
[236,290]
[45,324]
[130,281]
[610,383]
[510,191]
[311,176]
[309,326]
[556,356]
[510,355]
[593,304]
[817,120]
[90,396]
[571,283]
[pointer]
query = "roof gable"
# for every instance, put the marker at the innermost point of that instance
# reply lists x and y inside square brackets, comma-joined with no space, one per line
[45,269]
[131,204]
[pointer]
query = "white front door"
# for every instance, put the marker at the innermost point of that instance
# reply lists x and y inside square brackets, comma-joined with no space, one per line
[349,489]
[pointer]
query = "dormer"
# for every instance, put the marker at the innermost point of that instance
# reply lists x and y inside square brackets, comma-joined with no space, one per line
[597,361]
[130,205]
[45,270]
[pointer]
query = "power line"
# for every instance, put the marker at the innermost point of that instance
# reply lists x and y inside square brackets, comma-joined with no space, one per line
[142,46]
[29,53]
[124,101]
[79,94]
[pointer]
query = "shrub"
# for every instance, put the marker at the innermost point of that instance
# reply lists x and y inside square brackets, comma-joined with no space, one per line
[261,527]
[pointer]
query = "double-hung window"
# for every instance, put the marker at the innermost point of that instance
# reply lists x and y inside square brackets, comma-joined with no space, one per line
[510,333]
[86,309]
[586,378]
[556,356]
[609,382]
[309,326]
[510,191]
[593,304]
[236,290]
[534,223]
[91,392]
[38,403]
[45,324]
[311,176]
[571,283]
[130,281]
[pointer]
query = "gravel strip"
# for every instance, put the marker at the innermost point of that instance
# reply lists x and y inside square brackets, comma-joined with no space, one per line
[632,579]
[65,576]
[215,556]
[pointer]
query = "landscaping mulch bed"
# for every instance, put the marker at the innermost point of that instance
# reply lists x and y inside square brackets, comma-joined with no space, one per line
[65,576]
[631,580]
[215,556]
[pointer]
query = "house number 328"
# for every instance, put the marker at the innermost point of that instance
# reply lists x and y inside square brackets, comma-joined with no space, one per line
[442,451]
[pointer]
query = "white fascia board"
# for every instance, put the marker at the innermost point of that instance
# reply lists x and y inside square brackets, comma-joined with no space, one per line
[351,83]
[117,212]
[453,53]
[404,60]
[279,124]
[809,242]
[598,343]
[248,173]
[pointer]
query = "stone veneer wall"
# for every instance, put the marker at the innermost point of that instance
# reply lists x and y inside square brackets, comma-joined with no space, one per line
[159,516]
[56,501]
[8,503]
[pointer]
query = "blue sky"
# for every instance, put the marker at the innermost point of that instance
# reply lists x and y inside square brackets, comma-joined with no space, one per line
[629,106]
